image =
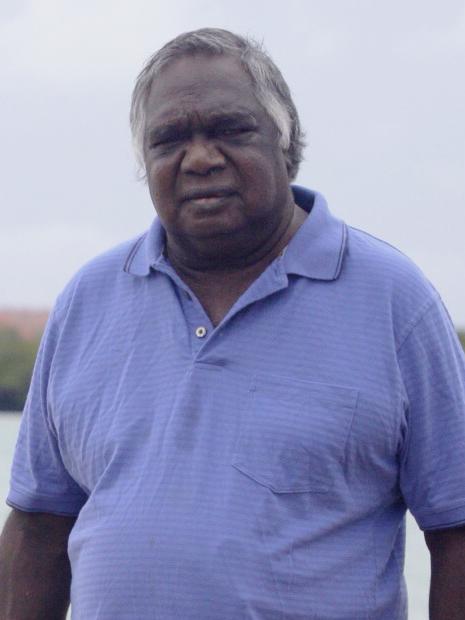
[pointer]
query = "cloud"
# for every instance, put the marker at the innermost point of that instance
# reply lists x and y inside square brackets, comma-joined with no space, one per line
[378,85]
[13,9]
[40,260]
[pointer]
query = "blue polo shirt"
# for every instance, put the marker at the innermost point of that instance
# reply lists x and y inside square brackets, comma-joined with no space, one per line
[259,469]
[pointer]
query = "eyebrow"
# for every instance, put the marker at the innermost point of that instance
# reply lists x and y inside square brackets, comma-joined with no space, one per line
[166,130]
[233,116]
[184,123]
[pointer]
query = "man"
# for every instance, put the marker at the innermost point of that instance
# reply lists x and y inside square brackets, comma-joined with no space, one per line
[229,416]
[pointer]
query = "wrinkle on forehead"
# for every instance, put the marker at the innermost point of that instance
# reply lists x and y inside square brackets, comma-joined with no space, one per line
[190,78]
[207,98]
[190,75]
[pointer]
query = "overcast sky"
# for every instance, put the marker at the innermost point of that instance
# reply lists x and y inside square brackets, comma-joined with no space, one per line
[379,86]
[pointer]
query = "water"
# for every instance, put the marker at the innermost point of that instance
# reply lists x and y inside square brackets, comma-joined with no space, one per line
[417,558]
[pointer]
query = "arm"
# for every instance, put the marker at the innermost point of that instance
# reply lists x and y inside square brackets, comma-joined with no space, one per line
[447,591]
[35,573]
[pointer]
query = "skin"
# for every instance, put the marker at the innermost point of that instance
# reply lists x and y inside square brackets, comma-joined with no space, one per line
[447,591]
[35,573]
[218,179]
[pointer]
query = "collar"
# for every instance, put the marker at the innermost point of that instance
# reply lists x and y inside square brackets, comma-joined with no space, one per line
[316,250]
[147,252]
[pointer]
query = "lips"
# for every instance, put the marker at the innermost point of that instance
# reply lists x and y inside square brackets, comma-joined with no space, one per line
[207,195]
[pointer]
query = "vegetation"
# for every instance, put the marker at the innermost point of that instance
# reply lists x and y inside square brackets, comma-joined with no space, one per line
[462,339]
[16,362]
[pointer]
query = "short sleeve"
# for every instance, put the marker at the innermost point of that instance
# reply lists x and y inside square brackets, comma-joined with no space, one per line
[39,480]
[432,476]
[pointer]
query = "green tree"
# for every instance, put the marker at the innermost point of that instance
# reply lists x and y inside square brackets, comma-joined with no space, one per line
[16,362]
[462,338]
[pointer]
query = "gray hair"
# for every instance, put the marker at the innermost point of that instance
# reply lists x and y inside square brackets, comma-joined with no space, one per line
[269,86]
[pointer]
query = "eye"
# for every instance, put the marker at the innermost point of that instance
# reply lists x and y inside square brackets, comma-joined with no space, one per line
[232,131]
[166,138]
[165,145]
[237,131]
[162,142]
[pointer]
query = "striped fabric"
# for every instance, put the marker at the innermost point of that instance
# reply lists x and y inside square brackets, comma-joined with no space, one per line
[260,469]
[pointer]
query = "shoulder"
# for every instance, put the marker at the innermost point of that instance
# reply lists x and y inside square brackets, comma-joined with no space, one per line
[379,258]
[103,275]
[383,263]
[387,275]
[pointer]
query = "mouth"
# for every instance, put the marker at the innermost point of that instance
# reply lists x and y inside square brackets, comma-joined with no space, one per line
[207,197]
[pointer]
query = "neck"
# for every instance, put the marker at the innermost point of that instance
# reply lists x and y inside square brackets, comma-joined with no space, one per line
[198,264]
[217,284]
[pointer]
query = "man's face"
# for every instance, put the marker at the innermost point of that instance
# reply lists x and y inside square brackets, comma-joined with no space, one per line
[214,166]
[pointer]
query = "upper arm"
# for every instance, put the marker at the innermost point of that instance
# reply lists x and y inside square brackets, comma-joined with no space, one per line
[40,480]
[446,543]
[447,592]
[432,472]
[39,527]
[35,572]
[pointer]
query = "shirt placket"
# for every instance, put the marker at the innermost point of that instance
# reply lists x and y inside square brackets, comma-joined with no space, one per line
[199,324]
[200,327]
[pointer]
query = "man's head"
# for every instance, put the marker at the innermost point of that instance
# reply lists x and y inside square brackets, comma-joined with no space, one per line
[220,141]
[269,86]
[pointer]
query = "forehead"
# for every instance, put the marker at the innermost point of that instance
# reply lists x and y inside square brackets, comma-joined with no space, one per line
[201,84]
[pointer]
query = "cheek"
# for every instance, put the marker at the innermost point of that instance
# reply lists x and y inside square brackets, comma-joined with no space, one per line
[160,192]
[263,175]
[160,179]
[157,171]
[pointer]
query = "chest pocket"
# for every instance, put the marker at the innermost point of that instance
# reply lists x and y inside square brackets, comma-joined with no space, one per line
[293,434]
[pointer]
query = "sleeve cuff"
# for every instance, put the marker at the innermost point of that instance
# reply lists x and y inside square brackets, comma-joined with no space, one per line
[443,519]
[63,506]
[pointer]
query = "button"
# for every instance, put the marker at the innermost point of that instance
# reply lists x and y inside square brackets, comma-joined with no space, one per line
[201,332]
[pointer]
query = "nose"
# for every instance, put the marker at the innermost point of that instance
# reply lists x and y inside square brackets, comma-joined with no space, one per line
[202,157]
